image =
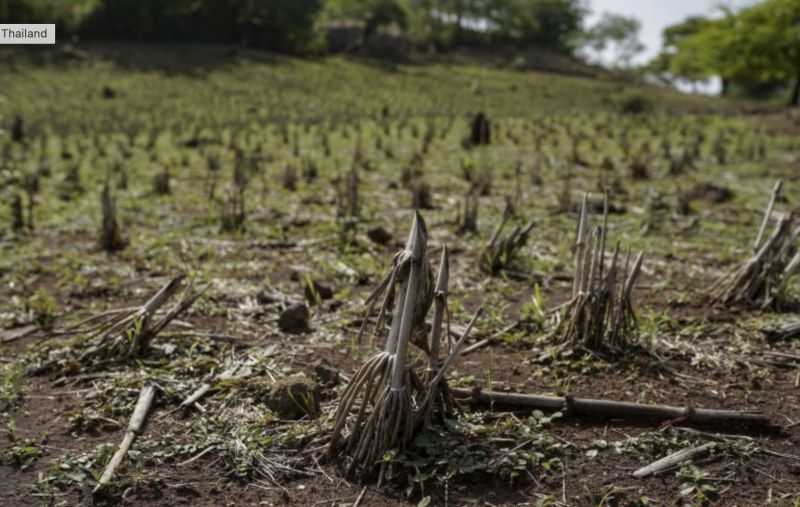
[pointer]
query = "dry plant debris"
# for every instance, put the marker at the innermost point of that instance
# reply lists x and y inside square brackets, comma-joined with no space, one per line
[501,249]
[135,427]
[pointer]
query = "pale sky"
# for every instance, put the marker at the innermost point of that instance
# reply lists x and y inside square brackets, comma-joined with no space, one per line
[655,15]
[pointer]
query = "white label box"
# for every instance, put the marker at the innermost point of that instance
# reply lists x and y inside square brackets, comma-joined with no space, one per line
[23,33]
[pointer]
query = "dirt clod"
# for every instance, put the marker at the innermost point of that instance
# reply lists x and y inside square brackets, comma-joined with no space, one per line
[294,397]
[318,291]
[380,235]
[709,192]
[294,319]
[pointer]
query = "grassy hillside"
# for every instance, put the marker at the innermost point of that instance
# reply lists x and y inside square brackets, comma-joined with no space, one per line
[181,85]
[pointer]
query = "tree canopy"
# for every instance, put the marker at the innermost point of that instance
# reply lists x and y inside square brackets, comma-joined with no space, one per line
[617,32]
[289,26]
[759,43]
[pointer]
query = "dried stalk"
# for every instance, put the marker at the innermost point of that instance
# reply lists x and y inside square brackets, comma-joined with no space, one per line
[440,309]
[110,236]
[785,332]
[594,408]
[353,203]
[17,216]
[600,314]
[135,427]
[118,335]
[421,195]
[767,214]
[468,222]
[674,459]
[500,251]
[193,398]
[437,391]
[386,399]
[233,213]
[759,281]
[579,245]
[161,182]
[384,383]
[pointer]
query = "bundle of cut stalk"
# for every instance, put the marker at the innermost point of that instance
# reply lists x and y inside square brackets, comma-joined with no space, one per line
[348,203]
[381,390]
[17,215]
[118,335]
[500,251]
[111,239]
[380,406]
[600,315]
[759,280]
[437,398]
[468,222]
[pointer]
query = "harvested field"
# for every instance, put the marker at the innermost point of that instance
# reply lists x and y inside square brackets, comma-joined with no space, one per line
[203,243]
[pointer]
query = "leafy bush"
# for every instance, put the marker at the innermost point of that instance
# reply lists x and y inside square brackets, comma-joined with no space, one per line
[630,102]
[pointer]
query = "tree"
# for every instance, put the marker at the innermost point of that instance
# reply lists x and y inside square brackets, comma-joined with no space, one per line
[757,44]
[768,45]
[551,24]
[618,32]
[277,25]
[373,14]
[285,25]
[689,65]
[65,14]
[457,13]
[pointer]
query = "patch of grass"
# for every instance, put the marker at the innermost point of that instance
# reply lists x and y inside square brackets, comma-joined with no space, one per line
[10,383]
[23,453]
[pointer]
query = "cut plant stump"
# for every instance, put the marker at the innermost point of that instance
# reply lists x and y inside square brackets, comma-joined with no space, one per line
[387,398]
[111,239]
[600,315]
[501,250]
[759,281]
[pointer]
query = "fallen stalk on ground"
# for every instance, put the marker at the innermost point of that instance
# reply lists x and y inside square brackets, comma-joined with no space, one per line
[135,427]
[593,408]
[118,334]
[674,459]
[785,332]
